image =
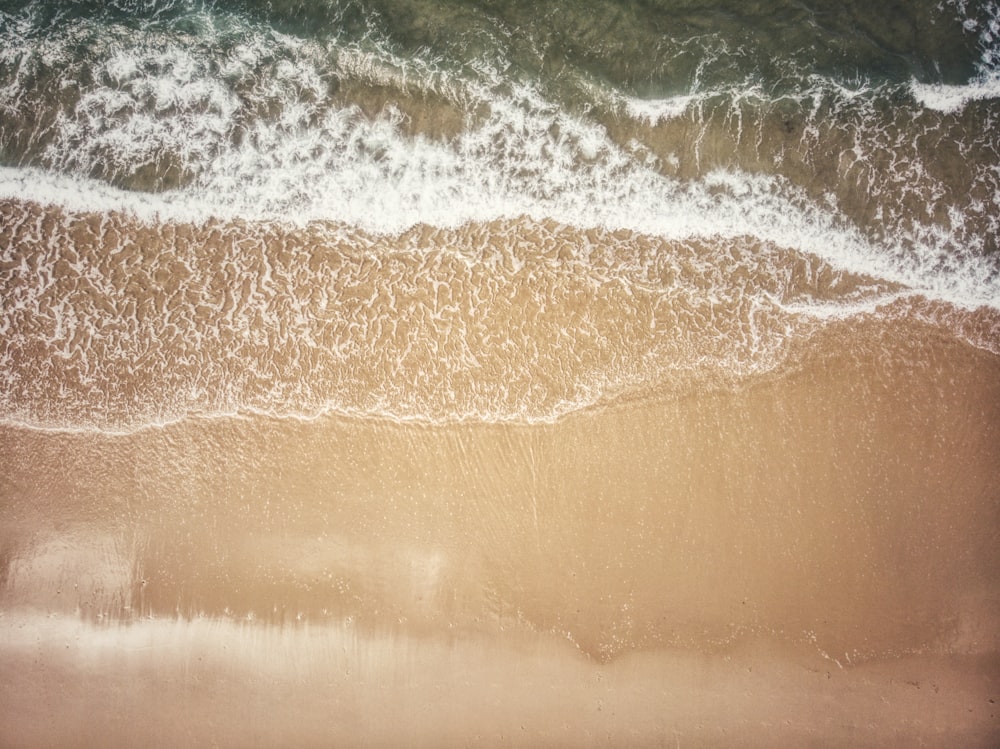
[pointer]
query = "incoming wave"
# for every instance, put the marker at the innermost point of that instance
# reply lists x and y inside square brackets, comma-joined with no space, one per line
[223,117]
[205,214]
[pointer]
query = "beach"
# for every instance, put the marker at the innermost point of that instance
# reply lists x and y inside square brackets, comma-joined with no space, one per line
[803,561]
[499,374]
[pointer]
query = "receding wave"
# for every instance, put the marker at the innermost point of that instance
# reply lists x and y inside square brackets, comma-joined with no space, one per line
[116,323]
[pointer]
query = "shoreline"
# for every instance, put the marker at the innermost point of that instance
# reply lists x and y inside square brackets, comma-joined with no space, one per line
[844,512]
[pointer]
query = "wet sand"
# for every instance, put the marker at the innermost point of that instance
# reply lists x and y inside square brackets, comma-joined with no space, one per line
[172,683]
[808,561]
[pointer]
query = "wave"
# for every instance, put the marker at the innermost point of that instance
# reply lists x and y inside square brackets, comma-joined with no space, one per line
[985,85]
[113,322]
[953,99]
[236,120]
[381,207]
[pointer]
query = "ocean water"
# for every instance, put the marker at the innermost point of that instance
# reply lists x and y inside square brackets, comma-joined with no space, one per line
[477,211]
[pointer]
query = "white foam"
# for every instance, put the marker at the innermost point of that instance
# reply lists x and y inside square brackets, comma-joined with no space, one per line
[986,84]
[366,173]
[654,111]
[951,99]
[81,195]
[317,161]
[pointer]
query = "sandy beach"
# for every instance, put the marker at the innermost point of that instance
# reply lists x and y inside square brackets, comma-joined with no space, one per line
[811,561]
[408,373]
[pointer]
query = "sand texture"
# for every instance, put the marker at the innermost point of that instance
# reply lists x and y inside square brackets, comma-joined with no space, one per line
[811,561]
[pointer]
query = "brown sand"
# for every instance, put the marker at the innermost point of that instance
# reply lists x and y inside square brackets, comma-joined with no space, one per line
[812,561]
